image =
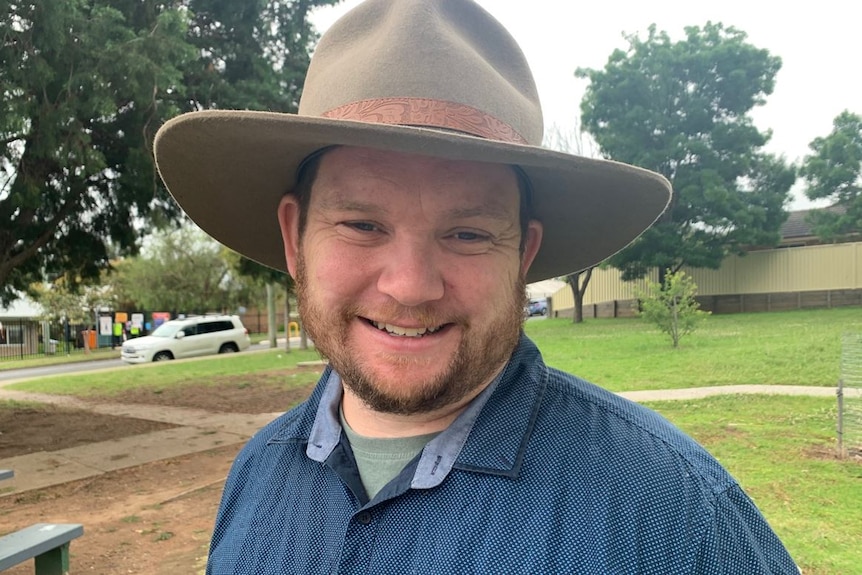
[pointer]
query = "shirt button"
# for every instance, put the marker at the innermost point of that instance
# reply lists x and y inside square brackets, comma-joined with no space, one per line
[364,517]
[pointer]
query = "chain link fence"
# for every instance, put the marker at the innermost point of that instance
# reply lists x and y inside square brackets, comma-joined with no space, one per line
[850,397]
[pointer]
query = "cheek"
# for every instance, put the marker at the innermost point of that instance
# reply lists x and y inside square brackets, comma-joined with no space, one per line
[483,285]
[336,274]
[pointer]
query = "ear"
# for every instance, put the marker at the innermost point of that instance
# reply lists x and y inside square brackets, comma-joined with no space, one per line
[532,243]
[288,220]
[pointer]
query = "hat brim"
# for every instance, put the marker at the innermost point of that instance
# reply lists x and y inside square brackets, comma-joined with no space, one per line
[229,169]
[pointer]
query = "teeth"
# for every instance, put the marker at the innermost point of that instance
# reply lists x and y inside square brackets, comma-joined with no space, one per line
[404,331]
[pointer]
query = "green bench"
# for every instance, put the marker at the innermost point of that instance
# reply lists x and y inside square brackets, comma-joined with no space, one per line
[48,543]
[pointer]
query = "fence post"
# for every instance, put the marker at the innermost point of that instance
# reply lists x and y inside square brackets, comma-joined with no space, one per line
[840,393]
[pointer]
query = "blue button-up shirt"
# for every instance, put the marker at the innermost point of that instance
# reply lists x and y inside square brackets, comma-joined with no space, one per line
[543,473]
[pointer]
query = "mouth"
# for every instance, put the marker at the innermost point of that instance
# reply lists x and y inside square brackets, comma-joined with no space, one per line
[410,332]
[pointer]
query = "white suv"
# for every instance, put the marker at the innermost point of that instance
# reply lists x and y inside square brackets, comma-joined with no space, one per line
[197,335]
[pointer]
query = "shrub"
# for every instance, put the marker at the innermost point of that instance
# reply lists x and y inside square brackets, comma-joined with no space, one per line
[671,306]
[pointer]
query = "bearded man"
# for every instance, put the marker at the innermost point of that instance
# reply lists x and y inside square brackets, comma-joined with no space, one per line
[411,202]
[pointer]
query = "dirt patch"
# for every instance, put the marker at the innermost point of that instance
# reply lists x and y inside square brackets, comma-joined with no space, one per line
[831,454]
[253,393]
[155,519]
[30,428]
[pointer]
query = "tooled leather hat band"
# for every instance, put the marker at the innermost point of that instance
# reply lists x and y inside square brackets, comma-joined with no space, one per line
[428,113]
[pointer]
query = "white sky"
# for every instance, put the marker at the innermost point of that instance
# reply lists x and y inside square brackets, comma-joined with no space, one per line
[819,45]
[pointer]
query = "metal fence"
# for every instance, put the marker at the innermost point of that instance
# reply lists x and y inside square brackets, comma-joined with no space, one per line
[850,397]
[28,339]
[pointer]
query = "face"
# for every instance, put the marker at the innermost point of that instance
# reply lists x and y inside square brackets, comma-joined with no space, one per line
[410,274]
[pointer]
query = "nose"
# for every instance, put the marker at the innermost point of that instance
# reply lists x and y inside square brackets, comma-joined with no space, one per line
[411,274]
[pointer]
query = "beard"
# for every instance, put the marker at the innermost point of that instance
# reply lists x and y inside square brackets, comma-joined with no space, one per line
[481,353]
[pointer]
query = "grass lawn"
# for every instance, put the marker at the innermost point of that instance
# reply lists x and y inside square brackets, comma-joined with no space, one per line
[789,348]
[781,449]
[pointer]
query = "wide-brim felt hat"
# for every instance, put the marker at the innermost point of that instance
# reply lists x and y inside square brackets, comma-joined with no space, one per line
[440,78]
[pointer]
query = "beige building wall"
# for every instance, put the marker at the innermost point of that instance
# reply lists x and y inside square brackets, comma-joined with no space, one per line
[800,269]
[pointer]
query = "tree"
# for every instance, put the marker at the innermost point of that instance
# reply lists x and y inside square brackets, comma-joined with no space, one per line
[671,305]
[579,281]
[834,172]
[85,86]
[581,144]
[75,305]
[270,278]
[181,270]
[681,109]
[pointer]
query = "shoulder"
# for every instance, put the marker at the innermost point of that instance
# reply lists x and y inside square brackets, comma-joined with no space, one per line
[621,434]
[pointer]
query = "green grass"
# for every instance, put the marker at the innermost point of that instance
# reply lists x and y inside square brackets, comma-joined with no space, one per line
[789,348]
[165,374]
[782,451]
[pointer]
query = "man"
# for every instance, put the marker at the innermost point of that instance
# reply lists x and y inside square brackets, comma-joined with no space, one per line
[417,206]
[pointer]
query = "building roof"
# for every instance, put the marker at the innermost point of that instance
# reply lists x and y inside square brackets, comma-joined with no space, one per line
[797,225]
[23,308]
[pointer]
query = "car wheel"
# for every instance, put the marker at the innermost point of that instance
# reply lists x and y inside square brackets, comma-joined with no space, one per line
[163,356]
[228,348]
[544,311]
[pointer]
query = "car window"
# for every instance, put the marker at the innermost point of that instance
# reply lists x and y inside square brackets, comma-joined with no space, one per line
[214,326]
[167,329]
[190,330]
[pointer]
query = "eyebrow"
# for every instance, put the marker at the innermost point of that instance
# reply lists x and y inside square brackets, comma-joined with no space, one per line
[494,210]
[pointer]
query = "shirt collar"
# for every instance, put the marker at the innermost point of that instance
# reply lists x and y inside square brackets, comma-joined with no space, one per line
[326,431]
[489,436]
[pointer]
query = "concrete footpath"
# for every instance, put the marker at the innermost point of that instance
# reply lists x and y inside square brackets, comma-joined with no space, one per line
[196,431]
[199,430]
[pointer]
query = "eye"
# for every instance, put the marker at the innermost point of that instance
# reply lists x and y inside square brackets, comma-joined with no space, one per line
[469,236]
[469,242]
[361,226]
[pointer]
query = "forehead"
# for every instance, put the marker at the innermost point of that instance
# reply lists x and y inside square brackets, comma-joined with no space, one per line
[346,173]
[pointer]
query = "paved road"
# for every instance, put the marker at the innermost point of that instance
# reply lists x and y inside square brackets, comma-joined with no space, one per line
[9,375]
[61,368]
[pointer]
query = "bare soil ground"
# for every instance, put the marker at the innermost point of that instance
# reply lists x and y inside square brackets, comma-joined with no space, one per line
[152,519]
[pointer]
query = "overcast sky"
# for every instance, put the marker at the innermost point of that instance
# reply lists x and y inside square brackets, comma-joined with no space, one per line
[819,44]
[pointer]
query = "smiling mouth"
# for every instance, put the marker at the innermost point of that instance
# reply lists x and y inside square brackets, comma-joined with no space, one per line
[398,331]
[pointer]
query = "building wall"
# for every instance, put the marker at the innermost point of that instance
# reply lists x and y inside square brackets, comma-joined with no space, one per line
[810,276]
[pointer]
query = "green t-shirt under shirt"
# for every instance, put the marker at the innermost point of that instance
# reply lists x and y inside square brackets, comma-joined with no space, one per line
[380,460]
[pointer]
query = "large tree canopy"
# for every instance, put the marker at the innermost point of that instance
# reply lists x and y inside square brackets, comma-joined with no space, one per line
[181,270]
[84,86]
[834,172]
[681,109]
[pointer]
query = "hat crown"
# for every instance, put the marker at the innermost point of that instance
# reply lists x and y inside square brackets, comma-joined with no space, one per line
[434,63]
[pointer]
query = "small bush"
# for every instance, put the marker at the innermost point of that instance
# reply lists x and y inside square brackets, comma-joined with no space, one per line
[672,306]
